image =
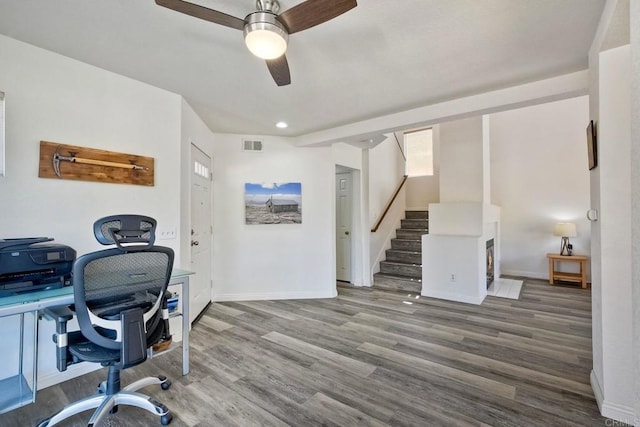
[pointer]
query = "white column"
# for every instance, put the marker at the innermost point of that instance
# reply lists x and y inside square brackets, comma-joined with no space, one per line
[611,291]
[635,193]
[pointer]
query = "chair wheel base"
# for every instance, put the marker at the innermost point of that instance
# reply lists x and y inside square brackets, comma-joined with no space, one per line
[166,419]
[165,385]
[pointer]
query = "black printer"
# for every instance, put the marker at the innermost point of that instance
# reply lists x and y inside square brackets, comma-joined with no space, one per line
[33,264]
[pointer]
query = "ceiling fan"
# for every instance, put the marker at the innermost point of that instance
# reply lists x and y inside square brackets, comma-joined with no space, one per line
[265,32]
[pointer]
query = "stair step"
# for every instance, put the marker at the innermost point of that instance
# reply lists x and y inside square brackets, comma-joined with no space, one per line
[416,214]
[412,257]
[397,283]
[401,269]
[411,233]
[414,223]
[406,245]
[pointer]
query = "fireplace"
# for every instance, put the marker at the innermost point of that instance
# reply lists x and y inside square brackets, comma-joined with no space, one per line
[490,263]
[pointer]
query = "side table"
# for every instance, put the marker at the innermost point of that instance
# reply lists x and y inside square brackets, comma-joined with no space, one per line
[572,277]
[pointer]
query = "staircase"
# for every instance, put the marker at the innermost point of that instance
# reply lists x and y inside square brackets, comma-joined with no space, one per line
[402,269]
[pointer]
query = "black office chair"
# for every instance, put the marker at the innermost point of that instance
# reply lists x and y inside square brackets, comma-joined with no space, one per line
[120,303]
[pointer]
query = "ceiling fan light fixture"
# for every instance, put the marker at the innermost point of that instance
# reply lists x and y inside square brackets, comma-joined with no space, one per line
[265,36]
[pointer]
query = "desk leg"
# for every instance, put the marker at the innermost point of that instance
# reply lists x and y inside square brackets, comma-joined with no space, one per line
[551,282]
[583,273]
[186,326]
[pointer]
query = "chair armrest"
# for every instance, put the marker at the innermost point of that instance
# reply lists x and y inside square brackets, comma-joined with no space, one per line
[61,315]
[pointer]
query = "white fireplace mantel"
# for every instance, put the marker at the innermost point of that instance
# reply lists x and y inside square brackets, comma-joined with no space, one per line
[454,251]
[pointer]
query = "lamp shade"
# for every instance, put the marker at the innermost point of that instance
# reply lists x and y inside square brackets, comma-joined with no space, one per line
[565,229]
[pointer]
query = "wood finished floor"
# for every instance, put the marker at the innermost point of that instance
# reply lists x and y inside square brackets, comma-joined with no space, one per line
[370,358]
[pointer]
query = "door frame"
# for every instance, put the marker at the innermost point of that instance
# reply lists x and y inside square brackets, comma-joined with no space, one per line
[359,242]
[193,144]
[347,259]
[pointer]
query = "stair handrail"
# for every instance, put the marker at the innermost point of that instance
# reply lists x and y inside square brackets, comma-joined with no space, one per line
[386,210]
[400,146]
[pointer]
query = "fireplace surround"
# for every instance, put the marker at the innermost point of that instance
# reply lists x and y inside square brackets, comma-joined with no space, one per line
[490,262]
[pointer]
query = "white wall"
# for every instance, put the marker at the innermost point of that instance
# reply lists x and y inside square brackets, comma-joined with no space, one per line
[53,98]
[538,92]
[611,105]
[461,167]
[422,190]
[347,155]
[453,253]
[539,176]
[456,218]
[452,267]
[349,158]
[635,193]
[273,261]
[192,130]
[381,239]
[386,169]
[594,188]
[613,385]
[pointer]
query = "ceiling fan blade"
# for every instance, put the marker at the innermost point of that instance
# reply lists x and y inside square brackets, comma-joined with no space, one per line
[313,12]
[279,69]
[202,12]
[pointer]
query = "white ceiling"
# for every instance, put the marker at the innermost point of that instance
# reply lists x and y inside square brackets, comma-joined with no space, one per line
[379,58]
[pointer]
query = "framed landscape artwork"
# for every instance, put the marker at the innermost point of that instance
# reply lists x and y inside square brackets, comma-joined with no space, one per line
[276,203]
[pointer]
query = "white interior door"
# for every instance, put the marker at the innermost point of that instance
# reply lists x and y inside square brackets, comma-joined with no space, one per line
[201,232]
[343,226]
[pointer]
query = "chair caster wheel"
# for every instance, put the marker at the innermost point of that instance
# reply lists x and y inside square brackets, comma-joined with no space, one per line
[166,419]
[165,385]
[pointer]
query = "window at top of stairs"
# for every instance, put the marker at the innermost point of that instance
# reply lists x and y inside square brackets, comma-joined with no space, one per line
[418,146]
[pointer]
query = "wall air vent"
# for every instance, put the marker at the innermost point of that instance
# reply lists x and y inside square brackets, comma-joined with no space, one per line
[251,145]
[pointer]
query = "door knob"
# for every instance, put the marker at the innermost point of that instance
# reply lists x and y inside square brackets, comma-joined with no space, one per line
[194,243]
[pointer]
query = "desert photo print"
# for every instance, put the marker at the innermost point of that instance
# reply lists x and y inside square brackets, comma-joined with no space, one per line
[276,203]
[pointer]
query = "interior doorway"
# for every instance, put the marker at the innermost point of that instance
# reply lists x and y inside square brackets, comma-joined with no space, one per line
[344,214]
[201,232]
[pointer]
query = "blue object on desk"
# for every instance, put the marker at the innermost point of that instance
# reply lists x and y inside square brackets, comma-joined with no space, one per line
[172,304]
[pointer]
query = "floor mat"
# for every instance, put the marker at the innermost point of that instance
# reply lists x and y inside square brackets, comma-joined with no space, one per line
[505,288]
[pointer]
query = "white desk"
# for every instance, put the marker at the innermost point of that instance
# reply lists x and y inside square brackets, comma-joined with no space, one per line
[35,301]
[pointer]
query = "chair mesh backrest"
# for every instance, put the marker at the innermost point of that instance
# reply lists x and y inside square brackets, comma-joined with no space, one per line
[140,274]
[110,281]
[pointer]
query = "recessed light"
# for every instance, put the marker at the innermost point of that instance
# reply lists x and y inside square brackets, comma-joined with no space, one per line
[281,125]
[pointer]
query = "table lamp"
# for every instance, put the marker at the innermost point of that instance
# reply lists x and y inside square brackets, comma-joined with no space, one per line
[565,230]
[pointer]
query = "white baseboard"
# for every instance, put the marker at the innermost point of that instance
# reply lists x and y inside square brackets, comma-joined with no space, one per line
[622,413]
[522,273]
[273,296]
[597,390]
[452,297]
